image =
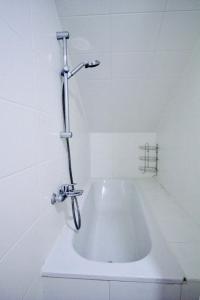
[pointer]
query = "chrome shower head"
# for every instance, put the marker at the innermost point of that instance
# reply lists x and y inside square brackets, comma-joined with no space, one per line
[87,64]
[92,64]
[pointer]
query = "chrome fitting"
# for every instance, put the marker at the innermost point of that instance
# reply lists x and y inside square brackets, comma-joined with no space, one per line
[66,190]
[65,135]
[62,34]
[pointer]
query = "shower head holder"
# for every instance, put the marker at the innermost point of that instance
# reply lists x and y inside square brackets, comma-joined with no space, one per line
[60,35]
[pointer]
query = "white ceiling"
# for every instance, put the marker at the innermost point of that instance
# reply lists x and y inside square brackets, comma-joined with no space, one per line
[144,47]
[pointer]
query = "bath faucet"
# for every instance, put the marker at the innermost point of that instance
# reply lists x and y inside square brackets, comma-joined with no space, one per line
[66,190]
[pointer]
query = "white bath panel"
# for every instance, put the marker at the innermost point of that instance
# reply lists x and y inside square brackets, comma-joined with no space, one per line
[75,289]
[144,291]
[191,291]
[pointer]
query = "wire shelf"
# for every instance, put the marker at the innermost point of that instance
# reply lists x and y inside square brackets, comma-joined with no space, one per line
[150,162]
[148,169]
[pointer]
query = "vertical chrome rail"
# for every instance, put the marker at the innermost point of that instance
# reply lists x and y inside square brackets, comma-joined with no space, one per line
[64,36]
[67,132]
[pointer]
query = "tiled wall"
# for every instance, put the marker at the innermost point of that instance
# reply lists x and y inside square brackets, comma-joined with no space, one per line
[144,47]
[117,154]
[32,156]
[179,140]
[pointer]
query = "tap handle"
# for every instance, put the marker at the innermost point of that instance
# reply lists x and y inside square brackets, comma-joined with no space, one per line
[57,198]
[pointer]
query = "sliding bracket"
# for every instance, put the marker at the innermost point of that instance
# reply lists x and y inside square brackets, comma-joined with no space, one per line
[60,35]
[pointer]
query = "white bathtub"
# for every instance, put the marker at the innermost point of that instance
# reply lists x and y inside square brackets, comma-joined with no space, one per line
[114,228]
[118,241]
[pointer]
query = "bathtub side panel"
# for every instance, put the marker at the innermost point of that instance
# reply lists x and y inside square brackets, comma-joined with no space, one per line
[74,289]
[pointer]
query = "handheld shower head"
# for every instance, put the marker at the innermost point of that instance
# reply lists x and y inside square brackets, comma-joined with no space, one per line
[92,64]
[87,64]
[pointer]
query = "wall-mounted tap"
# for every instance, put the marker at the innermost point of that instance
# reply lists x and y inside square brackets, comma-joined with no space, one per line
[66,190]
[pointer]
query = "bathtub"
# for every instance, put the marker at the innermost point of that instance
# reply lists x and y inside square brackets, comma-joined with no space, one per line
[118,241]
[114,227]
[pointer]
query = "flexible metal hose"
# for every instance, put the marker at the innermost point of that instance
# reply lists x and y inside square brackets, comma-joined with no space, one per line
[74,202]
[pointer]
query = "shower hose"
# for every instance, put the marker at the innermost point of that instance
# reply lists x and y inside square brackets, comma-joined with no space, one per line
[74,202]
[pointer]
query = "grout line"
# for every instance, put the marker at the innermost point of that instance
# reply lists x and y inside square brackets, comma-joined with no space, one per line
[23,235]
[102,52]
[181,207]
[32,166]
[27,107]
[129,13]
[129,78]
[158,34]
[111,49]
[34,281]
[109,289]
[165,5]
[31,108]
[185,243]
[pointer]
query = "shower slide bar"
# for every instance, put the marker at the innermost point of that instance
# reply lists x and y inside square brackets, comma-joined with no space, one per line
[64,36]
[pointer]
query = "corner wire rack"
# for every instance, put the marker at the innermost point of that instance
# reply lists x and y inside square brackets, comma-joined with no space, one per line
[150,161]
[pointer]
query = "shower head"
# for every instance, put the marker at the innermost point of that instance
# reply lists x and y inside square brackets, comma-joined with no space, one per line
[92,64]
[87,64]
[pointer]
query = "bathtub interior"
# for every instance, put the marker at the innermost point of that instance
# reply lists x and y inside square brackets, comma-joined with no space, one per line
[114,227]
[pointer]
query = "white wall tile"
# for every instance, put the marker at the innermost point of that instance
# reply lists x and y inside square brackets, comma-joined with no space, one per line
[135,32]
[78,7]
[170,63]
[50,175]
[180,30]
[183,4]
[117,154]
[130,64]
[96,102]
[48,140]
[125,105]
[188,257]
[43,12]
[18,131]
[45,78]
[178,136]
[19,63]
[129,6]
[89,33]
[101,154]
[16,13]
[179,230]
[35,291]
[18,198]
[23,262]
